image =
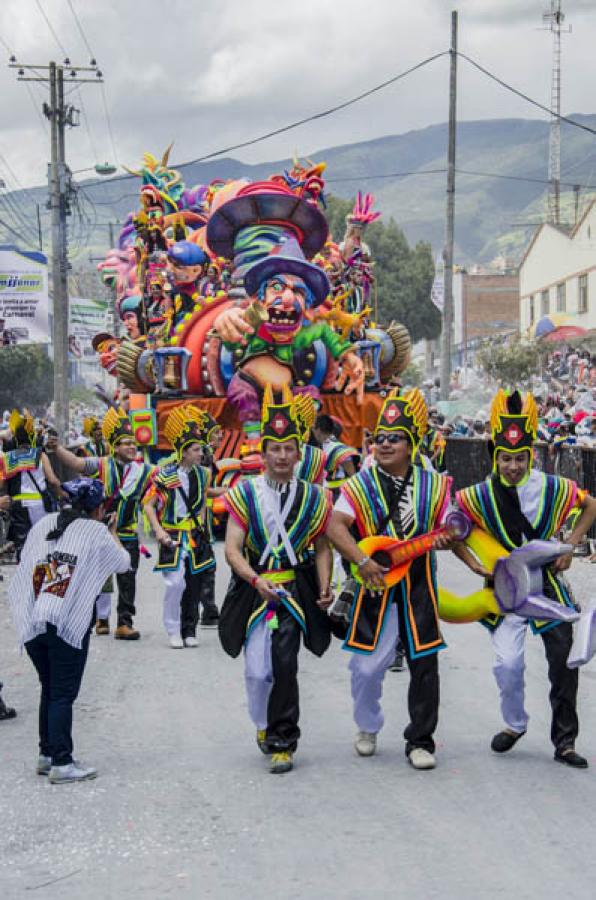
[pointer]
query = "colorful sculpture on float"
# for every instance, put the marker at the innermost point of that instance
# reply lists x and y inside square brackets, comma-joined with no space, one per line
[224,288]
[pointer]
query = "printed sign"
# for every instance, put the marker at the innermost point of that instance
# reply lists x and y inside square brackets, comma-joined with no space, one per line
[24,314]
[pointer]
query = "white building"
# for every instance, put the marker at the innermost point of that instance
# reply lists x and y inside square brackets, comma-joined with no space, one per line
[558,273]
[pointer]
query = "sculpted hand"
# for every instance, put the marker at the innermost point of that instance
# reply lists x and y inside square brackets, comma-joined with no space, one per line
[352,372]
[233,326]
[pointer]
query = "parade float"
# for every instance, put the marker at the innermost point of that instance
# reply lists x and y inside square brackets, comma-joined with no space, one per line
[223,288]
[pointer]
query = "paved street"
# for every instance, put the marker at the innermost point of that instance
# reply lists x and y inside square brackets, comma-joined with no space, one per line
[184,805]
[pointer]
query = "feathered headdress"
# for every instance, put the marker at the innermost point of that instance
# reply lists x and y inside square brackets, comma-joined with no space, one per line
[186,425]
[115,426]
[513,424]
[23,427]
[306,413]
[363,213]
[90,423]
[404,412]
[279,421]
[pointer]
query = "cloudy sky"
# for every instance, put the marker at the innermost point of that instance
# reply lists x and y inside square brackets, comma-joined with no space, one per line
[211,73]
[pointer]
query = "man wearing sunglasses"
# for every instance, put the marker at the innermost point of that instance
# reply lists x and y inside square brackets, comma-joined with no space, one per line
[396,498]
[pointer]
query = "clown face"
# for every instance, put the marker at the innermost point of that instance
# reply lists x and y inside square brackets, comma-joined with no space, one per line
[108,354]
[185,274]
[285,302]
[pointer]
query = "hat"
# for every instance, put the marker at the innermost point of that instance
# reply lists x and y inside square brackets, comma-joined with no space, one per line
[513,424]
[86,493]
[130,304]
[266,202]
[90,423]
[116,426]
[404,412]
[208,427]
[186,425]
[287,257]
[279,421]
[306,413]
[185,253]
[22,426]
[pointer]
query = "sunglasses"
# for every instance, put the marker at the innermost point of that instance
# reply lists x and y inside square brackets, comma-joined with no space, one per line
[390,438]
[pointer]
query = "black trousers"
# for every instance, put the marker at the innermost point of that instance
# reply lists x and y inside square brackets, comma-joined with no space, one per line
[199,591]
[127,585]
[423,702]
[563,685]
[283,709]
[60,669]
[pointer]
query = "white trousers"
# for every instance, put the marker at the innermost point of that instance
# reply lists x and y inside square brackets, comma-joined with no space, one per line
[175,585]
[103,605]
[508,642]
[258,673]
[368,671]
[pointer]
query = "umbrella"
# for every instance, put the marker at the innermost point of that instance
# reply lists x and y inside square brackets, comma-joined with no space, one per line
[557,327]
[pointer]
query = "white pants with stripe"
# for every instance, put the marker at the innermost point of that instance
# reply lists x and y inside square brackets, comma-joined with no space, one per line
[258,673]
[368,671]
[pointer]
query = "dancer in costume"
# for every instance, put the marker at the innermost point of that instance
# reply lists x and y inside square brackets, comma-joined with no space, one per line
[517,504]
[176,506]
[125,479]
[279,587]
[311,465]
[340,460]
[95,446]
[29,478]
[211,436]
[393,497]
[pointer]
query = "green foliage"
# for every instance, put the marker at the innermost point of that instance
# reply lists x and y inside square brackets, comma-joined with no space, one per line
[404,274]
[26,377]
[510,364]
[412,375]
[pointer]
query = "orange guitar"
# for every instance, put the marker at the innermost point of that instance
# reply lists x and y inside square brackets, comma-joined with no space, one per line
[397,556]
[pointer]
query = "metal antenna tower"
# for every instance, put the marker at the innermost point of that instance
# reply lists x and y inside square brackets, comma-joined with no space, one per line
[554,19]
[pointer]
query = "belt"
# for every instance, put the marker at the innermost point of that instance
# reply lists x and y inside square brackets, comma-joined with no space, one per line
[279,576]
[185,525]
[33,496]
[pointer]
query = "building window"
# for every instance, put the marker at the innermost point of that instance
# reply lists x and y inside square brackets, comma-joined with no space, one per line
[582,297]
[561,298]
[544,304]
[531,310]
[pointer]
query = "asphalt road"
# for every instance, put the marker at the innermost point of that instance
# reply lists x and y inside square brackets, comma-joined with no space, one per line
[185,807]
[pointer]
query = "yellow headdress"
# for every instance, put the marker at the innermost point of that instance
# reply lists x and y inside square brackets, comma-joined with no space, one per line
[306,413]
[279,421]
[23,427]
[513,424]
[90,423]
[115,426]
[404,412]
[186,425]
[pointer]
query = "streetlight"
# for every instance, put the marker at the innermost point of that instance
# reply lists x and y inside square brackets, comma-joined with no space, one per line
[105,168]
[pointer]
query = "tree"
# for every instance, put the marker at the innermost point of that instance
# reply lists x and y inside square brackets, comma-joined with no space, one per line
[26,377]
[510,364]
[404,274]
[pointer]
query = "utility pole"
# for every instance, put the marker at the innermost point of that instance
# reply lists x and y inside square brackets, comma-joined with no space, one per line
[60,190]
[554,19]
[446,334]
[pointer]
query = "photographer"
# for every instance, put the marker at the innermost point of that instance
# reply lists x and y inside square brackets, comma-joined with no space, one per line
[66,559]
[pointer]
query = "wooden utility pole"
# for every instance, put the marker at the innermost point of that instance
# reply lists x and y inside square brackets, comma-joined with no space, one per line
[446,335]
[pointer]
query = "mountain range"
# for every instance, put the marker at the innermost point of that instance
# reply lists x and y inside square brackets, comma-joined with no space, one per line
[502,167]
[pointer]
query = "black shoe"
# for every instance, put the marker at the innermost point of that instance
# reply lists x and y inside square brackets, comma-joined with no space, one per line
[569,757]
[210,621]
[398,663]
[504,741]
[6,712]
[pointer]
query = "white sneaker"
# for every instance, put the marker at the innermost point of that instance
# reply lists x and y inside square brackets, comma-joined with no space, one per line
[71,772]
[191,642]
[44,764]
[421,759]
[176,642]
[366,743]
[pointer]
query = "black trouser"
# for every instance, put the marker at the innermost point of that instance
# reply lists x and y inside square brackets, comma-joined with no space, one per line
[564,683]
[423,702]
[283,709]
[200,589]
[60,669]
[127,585]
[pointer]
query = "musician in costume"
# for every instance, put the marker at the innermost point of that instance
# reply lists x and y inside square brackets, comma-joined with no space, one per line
[279,586]
[311,465]
[517,504]
[176,506]
[125,479]
[396,498]
[95,446]
[30,479]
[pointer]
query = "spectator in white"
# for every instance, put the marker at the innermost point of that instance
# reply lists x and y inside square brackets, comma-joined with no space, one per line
[65,560]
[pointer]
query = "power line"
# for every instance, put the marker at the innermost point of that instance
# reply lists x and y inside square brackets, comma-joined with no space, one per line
[108,121]
[80,27]
[521,94]
[51,27]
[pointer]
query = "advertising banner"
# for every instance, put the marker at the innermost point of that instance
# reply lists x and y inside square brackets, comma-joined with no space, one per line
[86,319]
[24,306]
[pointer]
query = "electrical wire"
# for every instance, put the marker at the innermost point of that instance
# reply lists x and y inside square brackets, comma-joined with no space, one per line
[108,120]
[80,27]
[51,27]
